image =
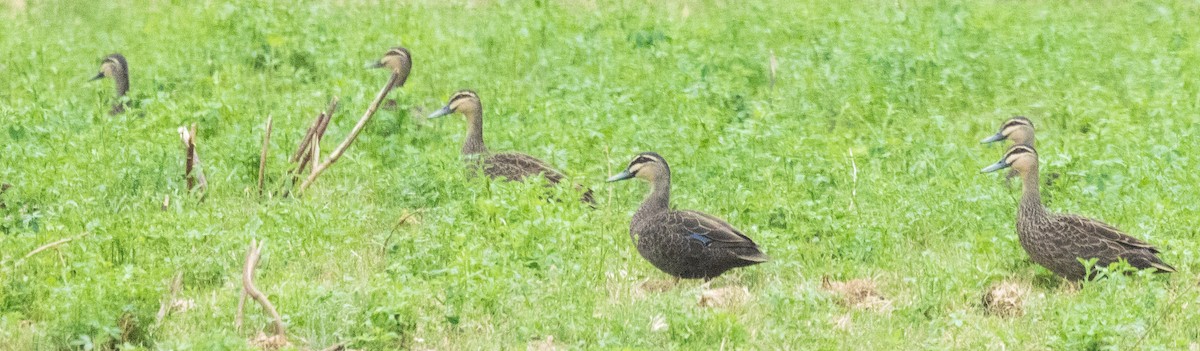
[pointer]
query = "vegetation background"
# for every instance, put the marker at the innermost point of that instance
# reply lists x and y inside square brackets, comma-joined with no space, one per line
[861,162]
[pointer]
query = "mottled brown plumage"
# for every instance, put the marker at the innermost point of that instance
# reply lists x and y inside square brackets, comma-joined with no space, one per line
[1058,241]
[117,68]
[508,165]
[684,244]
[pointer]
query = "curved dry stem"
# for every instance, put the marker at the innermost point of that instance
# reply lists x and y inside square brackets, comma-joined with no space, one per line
[252,257]
[362,123]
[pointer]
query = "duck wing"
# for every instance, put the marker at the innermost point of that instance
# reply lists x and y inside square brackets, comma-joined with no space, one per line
[1101,230]
[516,166]
[716,233]
[1097,237]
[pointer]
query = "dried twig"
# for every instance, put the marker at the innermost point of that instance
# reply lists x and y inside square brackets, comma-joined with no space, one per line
[1160,316]
[300,150]
[303,155]
[164,306]
[315,153]
[252,257]
[52,245]
[166,202]
[403,219]
[336,347]
[854,179]
[262,158]
[362,123]
[237,321]
[774,66]
[192,171]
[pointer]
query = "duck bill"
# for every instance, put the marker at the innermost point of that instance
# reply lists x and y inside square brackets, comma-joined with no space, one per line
[994,167]
[442,112]
[98,76]
[620,176]
[993,138]
[378,64]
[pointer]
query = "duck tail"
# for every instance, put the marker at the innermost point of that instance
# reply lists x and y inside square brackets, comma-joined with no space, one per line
[1162,267]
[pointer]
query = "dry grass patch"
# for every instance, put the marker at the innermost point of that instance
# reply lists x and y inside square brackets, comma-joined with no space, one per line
[1005,299]
[546,344]
[861,294]
[724,297]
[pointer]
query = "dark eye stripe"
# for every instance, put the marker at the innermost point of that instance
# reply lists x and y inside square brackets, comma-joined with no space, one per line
[398,51]
[1016,121]
[1019,149]
[462,95]
[641,160]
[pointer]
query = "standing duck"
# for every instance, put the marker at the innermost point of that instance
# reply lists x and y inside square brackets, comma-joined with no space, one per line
[114,66]
[684,244]
[509,165]
[1059,241]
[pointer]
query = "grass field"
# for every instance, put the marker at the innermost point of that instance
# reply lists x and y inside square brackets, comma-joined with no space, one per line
[862,162]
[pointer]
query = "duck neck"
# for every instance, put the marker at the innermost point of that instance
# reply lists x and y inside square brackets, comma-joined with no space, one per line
[1031,197]
[474,142]
[121,79]
[660,195]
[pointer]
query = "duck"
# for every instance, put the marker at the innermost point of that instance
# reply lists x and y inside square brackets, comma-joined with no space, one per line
[682,243]
[512,166]
[1059,241]
[398,60]
[115,67]
[1019,129]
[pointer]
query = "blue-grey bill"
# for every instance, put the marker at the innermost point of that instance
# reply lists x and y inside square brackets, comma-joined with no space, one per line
[442,112]
[620,176]
[993,138]
[994,167]
[377,64]
[98,76]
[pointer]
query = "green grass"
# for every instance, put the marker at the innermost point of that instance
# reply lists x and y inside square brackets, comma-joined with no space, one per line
[899,91]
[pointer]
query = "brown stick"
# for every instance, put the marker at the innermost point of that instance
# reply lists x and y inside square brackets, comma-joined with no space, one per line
[774,65]
[248,284]
[333,103]
[303,155]
[336,347]
[262,158]
[362,123]
[307,137]
[402,220]
[192,171]
[318,134]
[315,153]
[317,128]
[189,150]
[164,306]
[241,308]
[51,245]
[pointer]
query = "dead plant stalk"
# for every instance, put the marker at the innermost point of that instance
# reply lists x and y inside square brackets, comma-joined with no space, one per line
[362,123]
[262,157]
[252,256]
